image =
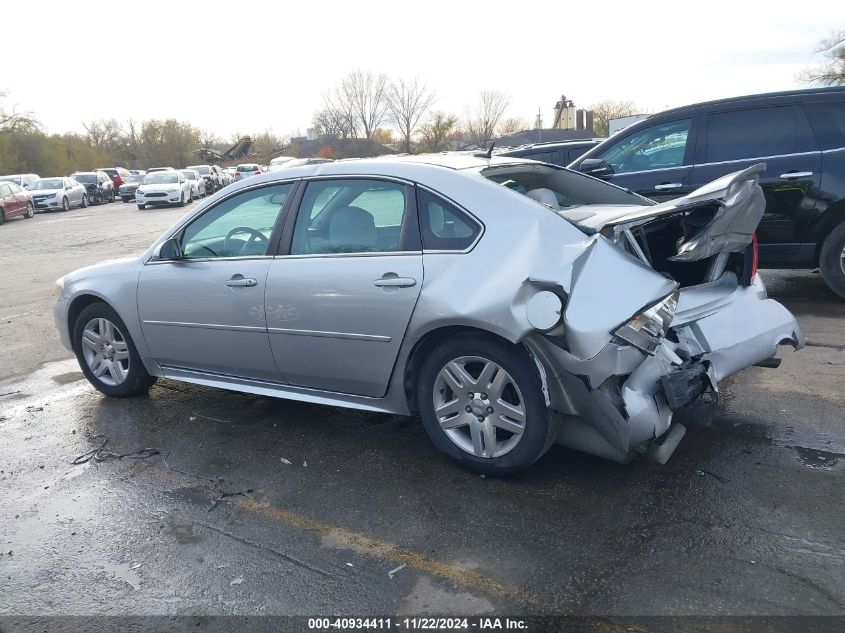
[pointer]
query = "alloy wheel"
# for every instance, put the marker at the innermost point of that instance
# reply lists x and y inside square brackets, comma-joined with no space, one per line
[106,351]
[479,406]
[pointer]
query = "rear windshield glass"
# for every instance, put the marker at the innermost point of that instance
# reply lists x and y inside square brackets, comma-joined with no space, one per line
[85,178]
[202,169]
[559,189]
[247,167]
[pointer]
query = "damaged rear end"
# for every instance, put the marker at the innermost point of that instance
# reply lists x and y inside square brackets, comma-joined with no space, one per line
[659,312]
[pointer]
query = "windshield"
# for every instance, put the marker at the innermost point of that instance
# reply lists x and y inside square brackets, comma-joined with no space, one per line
[14,179]
[247,168]
[161,178]
[88,179]
[133,178]
[47,183]
[202,169]
[190,175]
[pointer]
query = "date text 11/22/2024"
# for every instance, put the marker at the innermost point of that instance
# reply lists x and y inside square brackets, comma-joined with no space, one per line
[418,624]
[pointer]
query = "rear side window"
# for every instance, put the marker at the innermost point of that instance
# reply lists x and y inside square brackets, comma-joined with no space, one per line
[444,227]
[828,121]
[751,133]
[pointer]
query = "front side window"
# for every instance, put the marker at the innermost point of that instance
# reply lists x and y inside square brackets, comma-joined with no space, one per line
[751,133]
[239,226]
[5,191]
[656,147]
[443,226]
[349,216]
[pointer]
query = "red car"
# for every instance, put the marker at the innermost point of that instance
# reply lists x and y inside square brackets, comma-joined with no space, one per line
[14,201]
[118,175]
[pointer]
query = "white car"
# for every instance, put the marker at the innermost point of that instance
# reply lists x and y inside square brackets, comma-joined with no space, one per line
[197,183]
[164,187]
[245,170]
[58,193]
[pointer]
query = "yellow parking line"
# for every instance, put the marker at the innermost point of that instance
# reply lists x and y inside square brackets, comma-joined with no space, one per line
[392,553]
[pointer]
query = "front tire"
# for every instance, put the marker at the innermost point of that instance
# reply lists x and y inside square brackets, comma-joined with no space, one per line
[481,402]
[65,204]
[107,355]
[141,207]
[112,198]
[84,204]
[30,211]
[181,202]
[832,260]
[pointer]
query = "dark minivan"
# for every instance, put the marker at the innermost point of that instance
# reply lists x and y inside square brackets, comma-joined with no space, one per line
[799,134]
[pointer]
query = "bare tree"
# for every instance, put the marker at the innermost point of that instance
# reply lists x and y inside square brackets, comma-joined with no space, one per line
[208,139]
[334,120]
[366,96]
[104,133]
[267,144]
[408,102]
[482,121]
[17,121]
[513,125]
[605,111]
[831,71]
[438,131]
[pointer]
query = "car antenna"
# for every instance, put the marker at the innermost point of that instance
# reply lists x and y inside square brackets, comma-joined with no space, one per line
[487,153]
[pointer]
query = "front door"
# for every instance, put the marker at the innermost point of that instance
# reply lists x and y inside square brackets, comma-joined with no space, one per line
[778,137]
[654,161]
[339,298]
[205,310]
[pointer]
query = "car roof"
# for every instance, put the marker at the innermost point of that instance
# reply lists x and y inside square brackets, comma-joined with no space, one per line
[765,95]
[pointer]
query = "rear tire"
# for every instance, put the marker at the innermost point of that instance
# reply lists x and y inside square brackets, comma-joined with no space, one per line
[516,393]
[2,217]
[832,260]
[112,196]
[132,378]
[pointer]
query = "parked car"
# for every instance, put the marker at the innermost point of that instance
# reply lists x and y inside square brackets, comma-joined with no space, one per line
[799,134]
[245,170]
[168,187]
[14,201]
[281,160]
[210,175]
[557,153]
[381,285]
[98,185]
[58,193]
[118,175]
[230,172]
[137,172]
[197,183]
[226,175]
[297,162]
[127,189]
[21,180]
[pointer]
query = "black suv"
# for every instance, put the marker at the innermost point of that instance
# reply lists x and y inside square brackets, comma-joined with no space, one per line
[799,134]
[98,185]
[555,152]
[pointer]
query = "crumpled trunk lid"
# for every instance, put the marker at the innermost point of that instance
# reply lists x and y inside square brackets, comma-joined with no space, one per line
[722,217]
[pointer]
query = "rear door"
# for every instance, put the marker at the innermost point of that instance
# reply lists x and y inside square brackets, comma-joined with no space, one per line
[340,296]
[654,161]
[778,135]
[20,198]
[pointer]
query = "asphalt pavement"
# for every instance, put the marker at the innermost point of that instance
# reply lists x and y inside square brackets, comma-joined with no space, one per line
[258,506]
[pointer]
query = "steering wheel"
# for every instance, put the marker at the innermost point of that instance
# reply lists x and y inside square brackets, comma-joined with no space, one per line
[254,236]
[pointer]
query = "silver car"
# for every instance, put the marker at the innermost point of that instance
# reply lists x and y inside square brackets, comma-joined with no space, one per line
[511,304]
[58,193]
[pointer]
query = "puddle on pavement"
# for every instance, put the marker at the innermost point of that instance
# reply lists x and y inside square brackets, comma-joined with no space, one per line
[817,459]
[124,572]
[68,377]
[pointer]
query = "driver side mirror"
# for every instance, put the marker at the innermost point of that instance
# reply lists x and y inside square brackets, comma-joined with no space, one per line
[169,250]
[595,167]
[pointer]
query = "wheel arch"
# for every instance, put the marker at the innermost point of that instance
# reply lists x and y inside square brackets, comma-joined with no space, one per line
[429,341]
[77,305]
[833,217]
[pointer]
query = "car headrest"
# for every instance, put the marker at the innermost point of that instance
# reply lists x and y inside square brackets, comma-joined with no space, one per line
[545,197]
[352,227]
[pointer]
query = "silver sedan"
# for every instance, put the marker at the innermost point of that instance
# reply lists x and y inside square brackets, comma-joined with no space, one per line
[510,304]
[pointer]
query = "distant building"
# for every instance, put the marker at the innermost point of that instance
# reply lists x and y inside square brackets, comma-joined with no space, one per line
[568,117]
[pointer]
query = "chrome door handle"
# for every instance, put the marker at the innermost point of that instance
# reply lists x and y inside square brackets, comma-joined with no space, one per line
[668,185]
[792,175]
[395,282]
[241,282]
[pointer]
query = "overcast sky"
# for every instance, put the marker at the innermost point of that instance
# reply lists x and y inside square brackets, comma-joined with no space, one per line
[249,65]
